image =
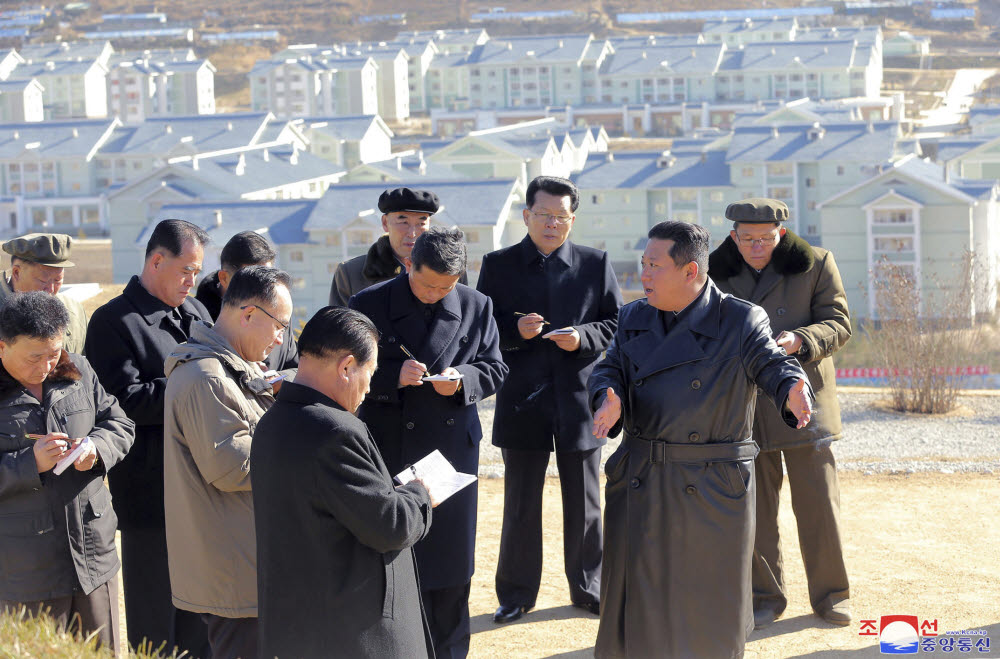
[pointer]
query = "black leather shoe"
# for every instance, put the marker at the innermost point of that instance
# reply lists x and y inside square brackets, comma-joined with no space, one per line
[506,613]
[590,607]
[763,618]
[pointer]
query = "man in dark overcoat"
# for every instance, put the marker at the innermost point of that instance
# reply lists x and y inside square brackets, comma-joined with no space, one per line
[680,378]
[799,287]
[543,283]
[431,324]
[336,575]
[128,340]
[406,214]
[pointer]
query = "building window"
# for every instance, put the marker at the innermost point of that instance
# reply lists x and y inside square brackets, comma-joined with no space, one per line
[747,172]
[597,199]
[779,169]
[660,208]
[810,182]
[893,216]
[812,230]
[299,283]
[716,195]
[840,170]
[296,256]
[471,237]
[685,194]
[779,193]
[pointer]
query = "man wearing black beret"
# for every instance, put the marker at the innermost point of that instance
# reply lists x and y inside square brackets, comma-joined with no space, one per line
[406,214]
[799,287]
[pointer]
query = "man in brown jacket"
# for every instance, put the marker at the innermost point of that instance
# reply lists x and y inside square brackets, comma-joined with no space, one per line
[216,393]
[799,287]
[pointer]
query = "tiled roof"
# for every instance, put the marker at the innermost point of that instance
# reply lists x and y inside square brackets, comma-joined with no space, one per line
[543,48]
[208,132]
[844,141]
[54,139]
[788,55]
[464,202]
[650,60]
[640,169]
[282,220]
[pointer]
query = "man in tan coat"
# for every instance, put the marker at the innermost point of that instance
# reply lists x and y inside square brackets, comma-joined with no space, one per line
[799,287]
[37,263]
[216,393]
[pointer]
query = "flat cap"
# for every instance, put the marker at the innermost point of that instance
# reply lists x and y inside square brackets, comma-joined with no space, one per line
[404,199]
[757,210]
[51,249]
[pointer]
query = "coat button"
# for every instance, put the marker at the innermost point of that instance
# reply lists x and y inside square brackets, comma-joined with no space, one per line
[409,425]
[472,398]
[781,311]
[464,339]
[638,382]
[450,422]
[635,483]
[637,431]
[694,437]
[98,515]
[390,339]
[696,384]
[691,489]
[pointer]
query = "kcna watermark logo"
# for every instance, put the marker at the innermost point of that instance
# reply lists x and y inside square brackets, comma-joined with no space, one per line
[902,634]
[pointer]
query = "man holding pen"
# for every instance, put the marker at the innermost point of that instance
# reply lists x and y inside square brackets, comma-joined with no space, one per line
[556,306]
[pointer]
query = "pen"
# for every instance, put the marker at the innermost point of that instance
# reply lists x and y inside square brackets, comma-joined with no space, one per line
[410,355]
[518,313]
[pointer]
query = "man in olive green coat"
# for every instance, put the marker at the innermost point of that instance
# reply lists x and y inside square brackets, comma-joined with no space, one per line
[799,287]
[37,263]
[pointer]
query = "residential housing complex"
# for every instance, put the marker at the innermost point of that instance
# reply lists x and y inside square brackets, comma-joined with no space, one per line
[90,80]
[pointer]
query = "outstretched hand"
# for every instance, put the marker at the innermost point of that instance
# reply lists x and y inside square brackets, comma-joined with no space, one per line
[798,403]
[607,416]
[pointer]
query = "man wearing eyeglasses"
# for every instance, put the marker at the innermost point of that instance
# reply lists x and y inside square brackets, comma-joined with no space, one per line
[799,287]
[406,214]
[216,393]
[542,284]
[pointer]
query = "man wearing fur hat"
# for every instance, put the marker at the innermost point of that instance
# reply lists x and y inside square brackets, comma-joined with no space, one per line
[406,214]
[799,287]
[37,263]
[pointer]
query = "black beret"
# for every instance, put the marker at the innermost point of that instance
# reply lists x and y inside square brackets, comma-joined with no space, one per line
[757,210]
[405,199]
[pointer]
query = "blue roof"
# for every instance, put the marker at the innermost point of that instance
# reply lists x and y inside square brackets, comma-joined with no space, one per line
[544,48]
[640,169]
[208,132]
[55,138]
[463,202]
[656,40]
[850,142]
[787,55]
[258,174]
[283,220]
[770,24]
[722,14]
[651,60]
[351,127]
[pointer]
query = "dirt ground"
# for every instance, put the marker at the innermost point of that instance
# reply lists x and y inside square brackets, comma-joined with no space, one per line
[923,544]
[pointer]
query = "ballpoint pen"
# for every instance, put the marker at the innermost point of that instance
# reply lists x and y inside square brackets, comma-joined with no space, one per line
[518,313]
[410,355]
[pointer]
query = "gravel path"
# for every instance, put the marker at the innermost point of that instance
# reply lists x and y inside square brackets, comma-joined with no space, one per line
[876,441]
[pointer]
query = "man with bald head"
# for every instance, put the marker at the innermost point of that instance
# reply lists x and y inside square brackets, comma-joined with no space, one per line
[37,263]
[128,340]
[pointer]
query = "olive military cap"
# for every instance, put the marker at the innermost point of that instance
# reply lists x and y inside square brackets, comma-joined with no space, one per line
[757,210]
[51,249]
[404,199]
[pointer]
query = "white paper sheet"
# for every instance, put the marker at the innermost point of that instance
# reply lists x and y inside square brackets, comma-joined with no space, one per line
[441,378]
[558,332]
[437,474]
[63,464]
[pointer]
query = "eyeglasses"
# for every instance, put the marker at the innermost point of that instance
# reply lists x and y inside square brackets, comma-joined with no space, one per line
[283,326]
[766,241]
[561,220]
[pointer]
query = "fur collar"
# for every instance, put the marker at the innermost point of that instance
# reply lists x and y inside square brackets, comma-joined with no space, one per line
[792,256]
[381,263]
[65,371]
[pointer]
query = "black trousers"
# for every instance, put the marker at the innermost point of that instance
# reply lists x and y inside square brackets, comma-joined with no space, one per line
[150,615]
[81,614]
[519,570]
[812,476]
[231,638]
[447,611]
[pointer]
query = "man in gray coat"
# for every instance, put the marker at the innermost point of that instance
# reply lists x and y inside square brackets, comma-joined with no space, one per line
[216,393]
[799,287]
[680,377]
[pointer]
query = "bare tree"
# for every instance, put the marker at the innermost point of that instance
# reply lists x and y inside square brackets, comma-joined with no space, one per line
[924,334]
